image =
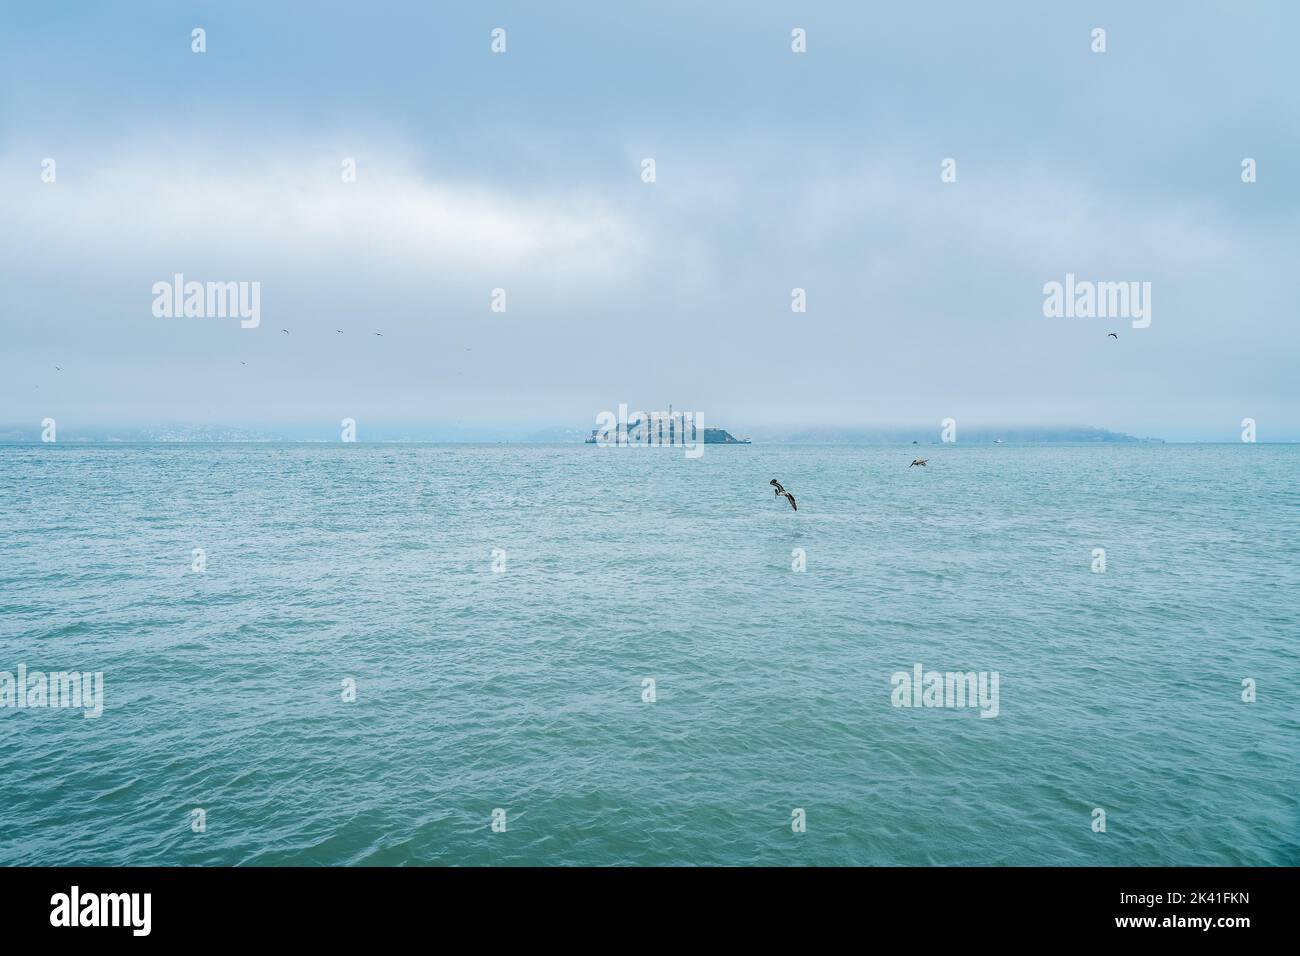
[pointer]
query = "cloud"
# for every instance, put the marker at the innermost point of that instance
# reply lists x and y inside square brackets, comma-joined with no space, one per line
[275,205]
[623,291]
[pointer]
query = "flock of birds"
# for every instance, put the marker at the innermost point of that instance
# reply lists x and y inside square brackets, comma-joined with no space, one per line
[379,335]
[340,332]
[59,368]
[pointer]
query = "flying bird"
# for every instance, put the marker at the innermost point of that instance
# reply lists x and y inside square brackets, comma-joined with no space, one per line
[285,331]
[380,334]
[339,331]
[1114,335]
[782,493]
[57,369]
[919,461]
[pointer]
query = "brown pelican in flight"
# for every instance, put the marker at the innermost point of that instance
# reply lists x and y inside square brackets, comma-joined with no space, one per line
[919,461]
[782,493]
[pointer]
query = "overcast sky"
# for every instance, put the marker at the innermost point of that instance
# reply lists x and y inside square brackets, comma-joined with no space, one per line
[775,170]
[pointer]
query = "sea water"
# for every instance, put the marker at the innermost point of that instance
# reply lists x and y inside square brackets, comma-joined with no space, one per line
[567,654]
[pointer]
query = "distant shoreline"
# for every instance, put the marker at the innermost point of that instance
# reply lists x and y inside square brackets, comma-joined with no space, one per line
[71,433]
[389,442]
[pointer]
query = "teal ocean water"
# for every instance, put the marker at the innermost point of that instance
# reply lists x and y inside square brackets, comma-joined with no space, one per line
[523,688]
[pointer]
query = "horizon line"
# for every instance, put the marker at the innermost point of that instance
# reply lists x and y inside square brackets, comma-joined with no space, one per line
[349,430]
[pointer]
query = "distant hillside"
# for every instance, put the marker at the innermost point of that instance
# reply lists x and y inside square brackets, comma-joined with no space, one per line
[931,435]
[368,432]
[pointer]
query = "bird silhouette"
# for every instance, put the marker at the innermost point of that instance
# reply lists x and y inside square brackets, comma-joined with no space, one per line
[782,493]
[1114,335]
[919,461]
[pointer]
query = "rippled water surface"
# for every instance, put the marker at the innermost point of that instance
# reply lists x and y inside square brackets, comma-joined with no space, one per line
[523,690]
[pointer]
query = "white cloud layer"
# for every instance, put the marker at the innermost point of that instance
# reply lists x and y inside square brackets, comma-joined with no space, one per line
[622,291]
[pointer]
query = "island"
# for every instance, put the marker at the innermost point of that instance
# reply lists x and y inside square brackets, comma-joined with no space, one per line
[712,436]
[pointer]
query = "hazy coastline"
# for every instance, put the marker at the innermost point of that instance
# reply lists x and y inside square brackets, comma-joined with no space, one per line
[535,434]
